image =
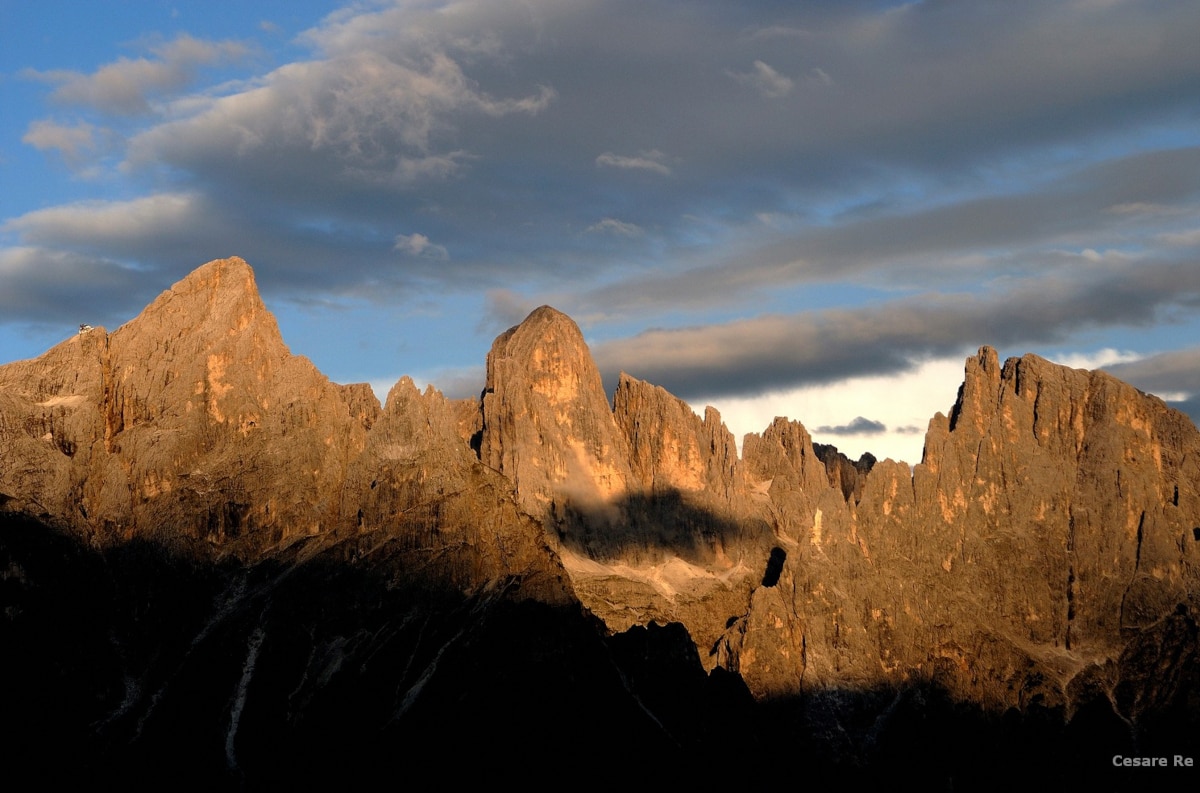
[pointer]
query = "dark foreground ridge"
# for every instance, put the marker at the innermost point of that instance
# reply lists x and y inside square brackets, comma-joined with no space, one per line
[219,566]
[145,668]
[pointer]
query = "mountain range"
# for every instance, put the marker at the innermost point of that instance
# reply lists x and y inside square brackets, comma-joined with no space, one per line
[219,566]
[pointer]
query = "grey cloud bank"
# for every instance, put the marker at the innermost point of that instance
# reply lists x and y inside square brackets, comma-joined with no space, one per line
[859,426]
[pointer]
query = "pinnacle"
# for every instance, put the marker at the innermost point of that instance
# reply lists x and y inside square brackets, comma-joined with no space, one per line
[219,282]
[219,274]
[547,312]
[988,358]
[548,318]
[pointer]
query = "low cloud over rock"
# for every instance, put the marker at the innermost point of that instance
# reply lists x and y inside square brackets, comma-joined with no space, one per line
[859,426]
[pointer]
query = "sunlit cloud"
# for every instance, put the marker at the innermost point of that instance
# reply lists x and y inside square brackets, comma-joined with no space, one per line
[127,85]
[419,245]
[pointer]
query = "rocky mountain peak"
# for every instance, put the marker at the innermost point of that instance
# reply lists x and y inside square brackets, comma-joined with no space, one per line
[181,417]
[547,423]
[215,306]
[554,358]
[1042,557]
[207,344]
[978,395]
[671,448]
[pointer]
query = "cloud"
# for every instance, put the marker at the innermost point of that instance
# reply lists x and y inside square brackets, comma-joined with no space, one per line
[927,243]
[618,227]
[361,122]
[1173,375]
[124,87]
[1189,406]
[768,82]
[460,383]
[1164,373]
[95,223]
[419,245]
[752,356]
[820,75]
[74,143]
[859,426]
[1183,239]
[941,192]
[45,287]
[167,234]
[645,161]
[492,114]
[504,308]
[913,397]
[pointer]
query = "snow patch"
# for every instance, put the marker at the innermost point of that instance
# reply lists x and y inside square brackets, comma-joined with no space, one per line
[239,698]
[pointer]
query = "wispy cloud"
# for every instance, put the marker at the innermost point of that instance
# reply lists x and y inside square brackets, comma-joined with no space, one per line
[618,227]
[55,287]
[419,245]
[768,82]
[1164,373]
[645,161]
[126,86]
[783,351]
[75,143]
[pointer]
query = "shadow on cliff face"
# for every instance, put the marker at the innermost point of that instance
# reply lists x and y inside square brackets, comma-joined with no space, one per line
[648,527]
[142,666]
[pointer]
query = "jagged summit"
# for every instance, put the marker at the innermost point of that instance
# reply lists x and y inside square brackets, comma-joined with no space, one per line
[1044,551]
[220,292]
[181,407]
[231,275]
[546,315]
[217,299]
[547,423]
[207,342]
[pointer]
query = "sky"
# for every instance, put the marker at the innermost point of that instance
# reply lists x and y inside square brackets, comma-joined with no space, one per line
[810,209]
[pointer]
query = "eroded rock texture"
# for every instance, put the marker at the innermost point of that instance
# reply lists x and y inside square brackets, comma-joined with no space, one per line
[1012,561]
[644,498]
[172,424]
[1048,529]
[195,427]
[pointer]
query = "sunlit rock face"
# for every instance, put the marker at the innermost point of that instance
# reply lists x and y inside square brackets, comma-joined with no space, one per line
[1031,550]
[194,426]
[547,425]
[1042,558]
[1049,522]
[192,419]
[643,498]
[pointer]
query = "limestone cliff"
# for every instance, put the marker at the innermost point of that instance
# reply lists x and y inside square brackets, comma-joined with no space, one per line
[547,425]
[194,425]
[1046,526]
[1043,554]
[644,499]
[172,423]
[1048,530]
